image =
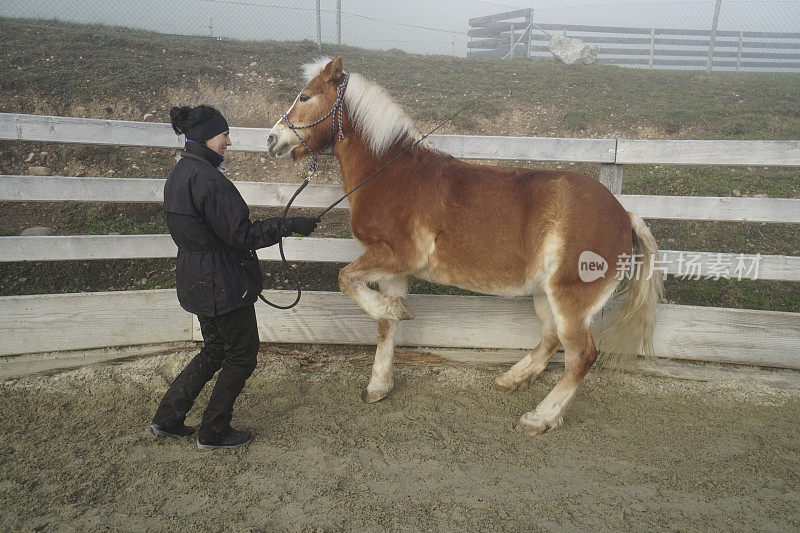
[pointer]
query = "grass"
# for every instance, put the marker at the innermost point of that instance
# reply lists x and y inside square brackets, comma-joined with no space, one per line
[50,67]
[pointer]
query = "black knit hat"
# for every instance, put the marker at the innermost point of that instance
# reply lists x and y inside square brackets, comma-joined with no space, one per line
[199,123]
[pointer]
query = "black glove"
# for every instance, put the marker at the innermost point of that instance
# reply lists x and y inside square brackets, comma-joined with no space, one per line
[301,225]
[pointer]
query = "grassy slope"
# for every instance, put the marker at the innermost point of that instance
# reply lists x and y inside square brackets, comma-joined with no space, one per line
[56,68]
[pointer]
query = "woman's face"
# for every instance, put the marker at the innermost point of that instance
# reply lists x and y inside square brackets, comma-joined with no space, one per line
[219,143]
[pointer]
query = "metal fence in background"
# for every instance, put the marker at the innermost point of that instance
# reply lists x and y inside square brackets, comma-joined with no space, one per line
[750,35]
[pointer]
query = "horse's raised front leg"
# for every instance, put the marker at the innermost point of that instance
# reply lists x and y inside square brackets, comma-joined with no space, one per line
[382,380]
[376,263]
[529,367]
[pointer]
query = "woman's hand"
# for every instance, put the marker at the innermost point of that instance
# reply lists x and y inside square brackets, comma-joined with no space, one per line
[301,225]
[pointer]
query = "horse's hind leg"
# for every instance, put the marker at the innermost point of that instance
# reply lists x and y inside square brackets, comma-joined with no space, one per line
[530,366]
[377,262]
[382,380]
[579,355]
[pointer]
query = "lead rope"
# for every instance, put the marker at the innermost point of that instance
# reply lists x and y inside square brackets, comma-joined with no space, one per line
[336,123]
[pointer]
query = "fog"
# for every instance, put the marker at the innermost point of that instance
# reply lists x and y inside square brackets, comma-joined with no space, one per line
[413,25]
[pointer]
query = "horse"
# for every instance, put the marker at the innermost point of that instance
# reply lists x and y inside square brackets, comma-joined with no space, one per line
[502,231]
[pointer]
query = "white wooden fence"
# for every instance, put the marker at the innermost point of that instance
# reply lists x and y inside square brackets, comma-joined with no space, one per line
[43,323]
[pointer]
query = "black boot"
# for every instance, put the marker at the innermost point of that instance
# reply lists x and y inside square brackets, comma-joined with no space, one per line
[233,439]
[176,432]
[215,429]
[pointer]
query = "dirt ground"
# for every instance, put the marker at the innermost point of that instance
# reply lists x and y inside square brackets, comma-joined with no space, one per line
[440,453]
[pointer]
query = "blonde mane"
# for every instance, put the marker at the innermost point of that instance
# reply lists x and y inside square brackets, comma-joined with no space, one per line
[378,118]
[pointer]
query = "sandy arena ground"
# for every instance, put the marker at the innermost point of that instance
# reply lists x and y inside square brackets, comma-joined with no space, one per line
[440,453]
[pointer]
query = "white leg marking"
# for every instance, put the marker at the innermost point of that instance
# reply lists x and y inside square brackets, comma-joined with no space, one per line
[382,380]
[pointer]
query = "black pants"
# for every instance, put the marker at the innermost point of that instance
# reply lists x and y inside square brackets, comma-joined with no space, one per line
[231,343]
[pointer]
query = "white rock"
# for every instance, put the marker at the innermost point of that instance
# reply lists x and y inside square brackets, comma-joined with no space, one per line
[36,231]
[254,63]
[30,157]
[572,51]
[147,116]
[271,80]
[39,171]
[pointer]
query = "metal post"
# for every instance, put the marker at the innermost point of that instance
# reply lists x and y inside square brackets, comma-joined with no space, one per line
[339,22]
[210,27]
[713,35]
[529,20]
[319,28]
[739,53]
[511,52]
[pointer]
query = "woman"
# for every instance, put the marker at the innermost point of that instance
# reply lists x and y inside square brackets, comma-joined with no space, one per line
[218,277]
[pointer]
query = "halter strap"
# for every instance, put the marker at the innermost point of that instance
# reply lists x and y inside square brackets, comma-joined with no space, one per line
[336,123]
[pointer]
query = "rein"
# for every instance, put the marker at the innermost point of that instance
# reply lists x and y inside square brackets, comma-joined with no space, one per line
[336,110]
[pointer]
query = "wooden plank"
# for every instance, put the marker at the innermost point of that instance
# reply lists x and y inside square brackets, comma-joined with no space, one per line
[20,127]
[95,189]
[94,131]
[86,247]
[694,152]
[526,148]
[93,247]
[738,336]
[94,320]
[496,28]
[481,21]
[695,265]
[15,188]
[662,368]
[262,194]
[27,364]
[777,210]
[45,323]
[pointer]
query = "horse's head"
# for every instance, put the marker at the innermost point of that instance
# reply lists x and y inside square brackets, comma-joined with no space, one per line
[313,121]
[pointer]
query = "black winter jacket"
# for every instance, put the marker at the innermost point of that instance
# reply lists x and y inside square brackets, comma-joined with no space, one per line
[210,223]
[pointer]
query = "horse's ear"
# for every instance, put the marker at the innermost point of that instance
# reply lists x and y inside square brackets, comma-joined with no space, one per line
[333,69]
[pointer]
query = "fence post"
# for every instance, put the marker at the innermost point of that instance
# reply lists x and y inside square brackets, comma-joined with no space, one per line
[319,28]
[511,52]
[529,21]
[739,53]
[611,173]
[652,45]
[713,35]
[339,22]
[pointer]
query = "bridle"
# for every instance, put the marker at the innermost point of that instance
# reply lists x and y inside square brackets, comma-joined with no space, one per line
[336,123]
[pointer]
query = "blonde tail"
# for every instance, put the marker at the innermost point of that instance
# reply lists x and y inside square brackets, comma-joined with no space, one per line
[631,330]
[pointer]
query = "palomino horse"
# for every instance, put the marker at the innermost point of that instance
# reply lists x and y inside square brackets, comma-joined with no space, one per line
[495,230]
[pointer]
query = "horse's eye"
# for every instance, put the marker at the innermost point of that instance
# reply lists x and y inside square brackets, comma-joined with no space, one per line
[304,97]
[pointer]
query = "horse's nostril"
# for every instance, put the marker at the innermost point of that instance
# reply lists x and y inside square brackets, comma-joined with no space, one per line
[270,140]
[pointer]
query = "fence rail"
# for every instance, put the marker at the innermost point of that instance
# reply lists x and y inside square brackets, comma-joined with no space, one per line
[673,47]
[82,321]
[16,188]
[42,128]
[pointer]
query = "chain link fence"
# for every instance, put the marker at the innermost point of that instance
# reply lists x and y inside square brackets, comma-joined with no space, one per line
[417,26]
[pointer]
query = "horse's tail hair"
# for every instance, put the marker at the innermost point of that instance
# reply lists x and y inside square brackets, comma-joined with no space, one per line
[630,332]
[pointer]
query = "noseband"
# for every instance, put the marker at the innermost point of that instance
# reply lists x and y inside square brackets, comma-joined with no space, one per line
[336,111]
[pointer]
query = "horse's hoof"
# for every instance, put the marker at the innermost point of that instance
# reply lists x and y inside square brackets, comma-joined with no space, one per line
[372,396]
[504,385]
[532,424]
[400,310]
